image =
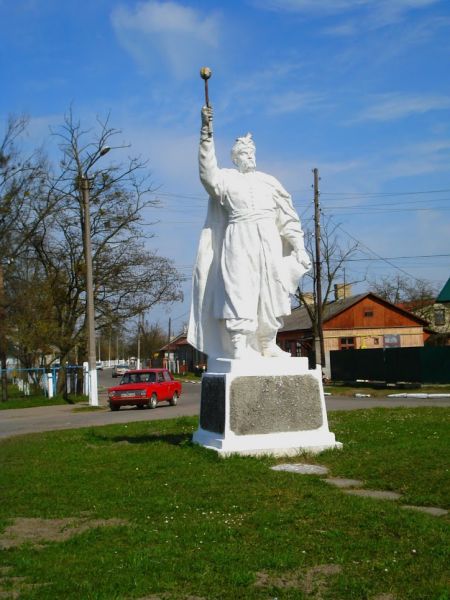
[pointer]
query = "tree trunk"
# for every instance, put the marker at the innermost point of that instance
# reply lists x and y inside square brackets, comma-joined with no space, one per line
[4,378]
[3,342]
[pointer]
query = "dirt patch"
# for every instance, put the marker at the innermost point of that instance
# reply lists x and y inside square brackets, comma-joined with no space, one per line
[168,595]
[5,571]
[313,582]
[38,532]
[384,597]
[12,587]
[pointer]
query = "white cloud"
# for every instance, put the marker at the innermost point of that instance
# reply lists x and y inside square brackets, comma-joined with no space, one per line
[419,159]
[166,32]
[372,14]
[292,102]
[390,107]
[311,6]
[340,6]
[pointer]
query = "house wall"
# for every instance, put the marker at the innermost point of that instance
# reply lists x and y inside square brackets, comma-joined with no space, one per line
[366,338]
[431,312]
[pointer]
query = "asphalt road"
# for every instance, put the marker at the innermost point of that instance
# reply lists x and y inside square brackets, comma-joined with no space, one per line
[46,418]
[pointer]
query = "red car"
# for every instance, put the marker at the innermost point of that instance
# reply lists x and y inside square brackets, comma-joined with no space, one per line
[145,387]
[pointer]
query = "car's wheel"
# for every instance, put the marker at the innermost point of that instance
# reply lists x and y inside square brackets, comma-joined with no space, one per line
[114,406]
[174,400]
[153,401]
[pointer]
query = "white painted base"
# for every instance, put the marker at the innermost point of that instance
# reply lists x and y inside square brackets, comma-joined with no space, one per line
[289,443]
[272,444]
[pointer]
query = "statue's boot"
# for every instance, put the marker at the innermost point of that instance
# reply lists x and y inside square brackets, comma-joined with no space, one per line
[269,347]
[239,344]
[241,347]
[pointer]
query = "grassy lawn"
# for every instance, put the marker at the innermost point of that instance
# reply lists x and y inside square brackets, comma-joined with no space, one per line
[348,390]
[137,511]
[16,401]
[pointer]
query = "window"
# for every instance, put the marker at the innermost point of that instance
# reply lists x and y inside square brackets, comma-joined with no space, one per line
[147,377]
[368,313]
[439,316]
[376,341]
[346,343]
[167,376]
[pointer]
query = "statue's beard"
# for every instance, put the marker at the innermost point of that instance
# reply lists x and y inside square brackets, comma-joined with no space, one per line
[246,165]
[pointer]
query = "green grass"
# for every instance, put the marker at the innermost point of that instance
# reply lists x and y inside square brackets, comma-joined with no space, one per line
[200,526]
[189,376]
[348,390]
[15,401]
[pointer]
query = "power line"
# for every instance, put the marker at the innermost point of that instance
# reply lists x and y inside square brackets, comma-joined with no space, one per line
[369,194]
[399,203]
[398,257]
[374,211]
[386,260]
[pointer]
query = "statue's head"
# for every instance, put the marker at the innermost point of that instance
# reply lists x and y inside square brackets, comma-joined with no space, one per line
[243,153]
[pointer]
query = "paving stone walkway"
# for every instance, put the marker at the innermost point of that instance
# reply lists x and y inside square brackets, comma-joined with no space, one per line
[352,487]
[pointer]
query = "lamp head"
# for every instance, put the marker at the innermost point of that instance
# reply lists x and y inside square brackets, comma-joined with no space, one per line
[205,73]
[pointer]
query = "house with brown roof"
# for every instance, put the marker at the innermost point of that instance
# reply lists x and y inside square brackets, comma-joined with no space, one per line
[358,322]
[180,357]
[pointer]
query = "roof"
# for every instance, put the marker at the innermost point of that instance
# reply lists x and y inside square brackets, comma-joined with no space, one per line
[444,294]
[300,320]
[178,340]
[299,317]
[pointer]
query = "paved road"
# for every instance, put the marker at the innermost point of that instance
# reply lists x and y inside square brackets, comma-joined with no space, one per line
[30,420]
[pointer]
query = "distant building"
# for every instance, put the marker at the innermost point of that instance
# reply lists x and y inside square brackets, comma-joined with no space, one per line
[179,356]
[444,294]
[357,322]
[437,313]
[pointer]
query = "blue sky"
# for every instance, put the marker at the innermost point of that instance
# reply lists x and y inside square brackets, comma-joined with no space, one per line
[359,89]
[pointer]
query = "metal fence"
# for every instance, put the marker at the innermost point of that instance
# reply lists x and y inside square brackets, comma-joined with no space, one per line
[422,364]
[42,381]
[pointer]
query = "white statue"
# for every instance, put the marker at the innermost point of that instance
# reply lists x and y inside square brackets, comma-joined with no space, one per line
[250,258]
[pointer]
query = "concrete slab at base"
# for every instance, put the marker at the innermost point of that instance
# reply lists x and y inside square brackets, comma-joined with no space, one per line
[263,406]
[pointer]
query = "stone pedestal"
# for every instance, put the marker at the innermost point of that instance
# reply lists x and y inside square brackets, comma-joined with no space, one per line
[263,406]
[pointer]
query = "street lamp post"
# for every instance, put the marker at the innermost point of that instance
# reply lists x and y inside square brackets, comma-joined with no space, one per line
[90,310]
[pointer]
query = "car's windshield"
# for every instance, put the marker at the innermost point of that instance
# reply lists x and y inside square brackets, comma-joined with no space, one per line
[138,378]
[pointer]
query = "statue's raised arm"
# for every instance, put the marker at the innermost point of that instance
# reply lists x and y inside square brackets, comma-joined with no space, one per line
[207,162]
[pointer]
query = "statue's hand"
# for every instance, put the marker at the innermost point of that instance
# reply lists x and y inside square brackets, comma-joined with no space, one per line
[303,258]
[207,116]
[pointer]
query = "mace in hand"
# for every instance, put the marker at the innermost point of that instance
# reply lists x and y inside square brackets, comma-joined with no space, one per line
[205,74]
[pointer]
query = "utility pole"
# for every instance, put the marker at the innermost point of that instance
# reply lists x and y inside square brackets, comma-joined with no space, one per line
[138,365]
[168,342]
[318,343]
[90,310]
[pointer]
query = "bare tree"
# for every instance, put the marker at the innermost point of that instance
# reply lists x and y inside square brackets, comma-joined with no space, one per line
[128,277]
[333,256]
[415,294]
[23,206]
[152,338]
